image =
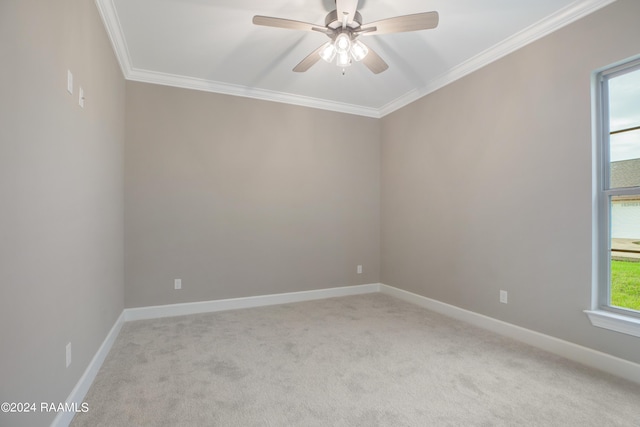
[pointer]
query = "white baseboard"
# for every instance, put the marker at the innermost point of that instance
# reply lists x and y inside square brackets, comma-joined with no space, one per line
[586,356]
[79,392]
[158,311]
[63,419]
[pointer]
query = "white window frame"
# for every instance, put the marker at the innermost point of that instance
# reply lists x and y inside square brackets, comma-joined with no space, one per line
[602,314]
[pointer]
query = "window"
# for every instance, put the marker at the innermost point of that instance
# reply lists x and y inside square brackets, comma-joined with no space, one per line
[617,278]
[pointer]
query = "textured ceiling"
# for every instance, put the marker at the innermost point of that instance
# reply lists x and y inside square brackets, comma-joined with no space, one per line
[212,45]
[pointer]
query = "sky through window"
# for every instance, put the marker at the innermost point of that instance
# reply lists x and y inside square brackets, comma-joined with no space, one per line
[624,113]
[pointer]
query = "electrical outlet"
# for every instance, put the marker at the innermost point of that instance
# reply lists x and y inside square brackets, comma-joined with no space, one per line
[503,297]
[177,284]
[359,269]
[68,351]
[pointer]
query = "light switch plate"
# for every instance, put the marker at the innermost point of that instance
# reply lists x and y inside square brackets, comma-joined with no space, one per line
[69,82]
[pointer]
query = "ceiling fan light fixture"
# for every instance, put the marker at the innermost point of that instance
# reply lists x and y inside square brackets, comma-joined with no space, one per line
[343,26]
[359,50]
[328,52]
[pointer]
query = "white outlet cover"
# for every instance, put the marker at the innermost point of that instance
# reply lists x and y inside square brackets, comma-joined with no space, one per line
[503,297]
[177,284]
[68,355]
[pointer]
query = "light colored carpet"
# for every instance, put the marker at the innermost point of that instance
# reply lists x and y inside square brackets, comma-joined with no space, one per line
[368,360]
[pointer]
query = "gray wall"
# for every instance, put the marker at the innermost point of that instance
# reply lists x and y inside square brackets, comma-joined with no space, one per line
[240,197]
[486,184]
[61,193]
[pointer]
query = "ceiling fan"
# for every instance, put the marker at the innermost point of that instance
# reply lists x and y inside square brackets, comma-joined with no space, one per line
[344,27]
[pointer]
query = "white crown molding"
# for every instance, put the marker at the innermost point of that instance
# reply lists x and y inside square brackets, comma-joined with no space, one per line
[111,22]
[563,17]
[166,79]
[540,29]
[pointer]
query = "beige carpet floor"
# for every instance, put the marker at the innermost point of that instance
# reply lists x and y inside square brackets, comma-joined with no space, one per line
[368,360]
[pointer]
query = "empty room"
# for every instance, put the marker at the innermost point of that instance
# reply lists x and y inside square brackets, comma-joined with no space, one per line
[319,213]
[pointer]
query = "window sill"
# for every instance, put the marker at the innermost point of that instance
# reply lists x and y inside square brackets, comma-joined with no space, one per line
[615,322]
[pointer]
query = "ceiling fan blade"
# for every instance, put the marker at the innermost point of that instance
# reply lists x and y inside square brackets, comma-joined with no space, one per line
[374,62]
[346,8]
[309,61]
[269,21]
[400,24]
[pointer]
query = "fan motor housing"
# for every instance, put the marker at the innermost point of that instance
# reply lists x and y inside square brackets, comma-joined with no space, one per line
[332,21]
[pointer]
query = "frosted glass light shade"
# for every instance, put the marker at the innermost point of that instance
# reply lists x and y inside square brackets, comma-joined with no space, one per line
[359,50]
[343,59]
[343,43]
[328,52]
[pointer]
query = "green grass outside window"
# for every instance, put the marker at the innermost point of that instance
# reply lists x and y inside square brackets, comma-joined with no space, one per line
[625,284]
